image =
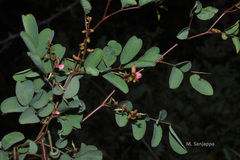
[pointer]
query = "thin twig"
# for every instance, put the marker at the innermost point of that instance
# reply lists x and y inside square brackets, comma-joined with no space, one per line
[99,107]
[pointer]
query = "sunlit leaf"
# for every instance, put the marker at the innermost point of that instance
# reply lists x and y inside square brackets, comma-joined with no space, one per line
[207,13]
[130,50]
[10,139]
[201,85]
[176,78]
[28,117]
[86,6]
[117,82]
[176,143]
[139,128]
[157,135]
[183,34]
[24,92]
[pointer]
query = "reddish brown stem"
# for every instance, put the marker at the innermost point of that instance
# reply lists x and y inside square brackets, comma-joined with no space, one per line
[44,156]
[99,107]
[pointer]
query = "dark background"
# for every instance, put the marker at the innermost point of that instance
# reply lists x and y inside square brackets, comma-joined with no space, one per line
[195,118]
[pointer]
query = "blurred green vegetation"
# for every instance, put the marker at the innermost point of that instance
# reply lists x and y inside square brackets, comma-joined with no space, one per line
[196,118]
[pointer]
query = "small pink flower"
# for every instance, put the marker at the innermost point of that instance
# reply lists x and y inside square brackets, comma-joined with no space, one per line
[138,75]
[57,112]
[60,66]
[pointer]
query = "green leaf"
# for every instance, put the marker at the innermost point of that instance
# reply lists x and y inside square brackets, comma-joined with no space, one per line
[184,66]
[31,28]
[233,28]
[127,103]
[207,13]
[176,78]
[28,117]
[157,135]
[38,83]
[201,85]
[183,34]
[28,41]
[59,50]
[236,43]
[21,76]
[4,155]
[32,75]
[89,152]
[196,9]
[44,112]
[33,148]
[162,115]
[227,154]
[41,101]
[93,59]
[151,54]
[86,6]
[130,50]
[37,61]
[65,157]
[11,105]
[224,36]
[11,138]
[69,63]
[66,127]
[57,90]
[73,87]
[141,64]
[43,37]
[61,143]
[92,70]
[176,143]
[110,52]
[117,82]
[24,92]
[121,118]
[144,2]
[75,120]
[139,128]
[127,3]
[55,154]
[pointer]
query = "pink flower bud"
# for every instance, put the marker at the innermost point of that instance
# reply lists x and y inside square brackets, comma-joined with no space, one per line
[60,66]
[57,112]
[138,75]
